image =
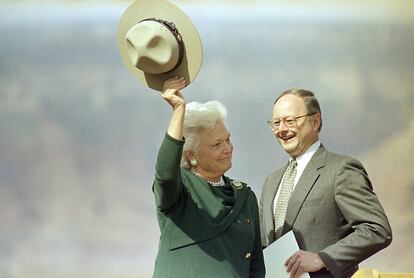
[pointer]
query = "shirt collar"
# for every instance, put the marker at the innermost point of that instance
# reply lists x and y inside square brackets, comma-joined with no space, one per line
[304,159]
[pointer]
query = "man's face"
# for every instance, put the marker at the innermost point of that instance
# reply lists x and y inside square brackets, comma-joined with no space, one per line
[295,140]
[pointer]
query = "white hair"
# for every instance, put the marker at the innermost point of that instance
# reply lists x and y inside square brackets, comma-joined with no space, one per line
[198,117]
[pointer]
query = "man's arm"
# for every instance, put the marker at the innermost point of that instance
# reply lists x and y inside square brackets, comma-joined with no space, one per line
[370,229]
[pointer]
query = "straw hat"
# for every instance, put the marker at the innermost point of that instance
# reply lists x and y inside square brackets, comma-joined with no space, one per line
[158,41]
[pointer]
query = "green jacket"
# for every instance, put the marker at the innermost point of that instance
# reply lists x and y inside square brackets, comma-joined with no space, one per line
[205,231]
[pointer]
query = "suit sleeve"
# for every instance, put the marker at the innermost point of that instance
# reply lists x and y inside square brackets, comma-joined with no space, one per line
[167,185]
[369,227]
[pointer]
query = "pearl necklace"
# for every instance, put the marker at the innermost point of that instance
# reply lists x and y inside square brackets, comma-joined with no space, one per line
[213,183]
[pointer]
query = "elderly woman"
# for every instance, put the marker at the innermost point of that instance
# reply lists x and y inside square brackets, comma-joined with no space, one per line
[209,223]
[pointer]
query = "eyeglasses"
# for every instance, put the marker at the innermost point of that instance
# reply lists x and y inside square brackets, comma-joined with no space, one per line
[289,121]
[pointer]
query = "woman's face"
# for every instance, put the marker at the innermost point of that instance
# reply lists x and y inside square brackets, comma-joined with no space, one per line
[215,152]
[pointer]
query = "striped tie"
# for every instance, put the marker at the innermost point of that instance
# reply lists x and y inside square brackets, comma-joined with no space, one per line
[284,196]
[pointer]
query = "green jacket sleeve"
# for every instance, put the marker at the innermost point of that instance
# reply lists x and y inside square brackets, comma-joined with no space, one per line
[257,267]
[167,185]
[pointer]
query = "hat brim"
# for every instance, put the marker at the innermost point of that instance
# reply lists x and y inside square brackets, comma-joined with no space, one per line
[161,9]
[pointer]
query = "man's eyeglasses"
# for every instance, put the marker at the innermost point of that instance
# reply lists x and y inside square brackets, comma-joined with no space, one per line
[289,121]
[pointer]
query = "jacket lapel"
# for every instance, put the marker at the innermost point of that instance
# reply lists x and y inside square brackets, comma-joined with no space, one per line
[308,179]
[182,232]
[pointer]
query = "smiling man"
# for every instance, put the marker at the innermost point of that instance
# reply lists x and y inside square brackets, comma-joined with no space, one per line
[326,198]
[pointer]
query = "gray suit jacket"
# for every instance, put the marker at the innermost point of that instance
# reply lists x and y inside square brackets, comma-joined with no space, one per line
[332,211]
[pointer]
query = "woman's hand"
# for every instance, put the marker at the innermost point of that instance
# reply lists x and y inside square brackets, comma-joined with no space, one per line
[171,92]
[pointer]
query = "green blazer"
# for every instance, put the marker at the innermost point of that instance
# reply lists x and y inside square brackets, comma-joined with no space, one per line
[205,231]
[332,211]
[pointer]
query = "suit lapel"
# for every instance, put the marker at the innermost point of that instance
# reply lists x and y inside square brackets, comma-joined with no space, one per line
[308,179]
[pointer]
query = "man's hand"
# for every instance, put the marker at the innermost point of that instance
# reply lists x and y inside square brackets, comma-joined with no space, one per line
[303,261]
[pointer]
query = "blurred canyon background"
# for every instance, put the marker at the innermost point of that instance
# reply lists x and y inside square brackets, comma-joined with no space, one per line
[79,134]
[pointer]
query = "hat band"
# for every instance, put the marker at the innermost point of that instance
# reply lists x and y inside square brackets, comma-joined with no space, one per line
[173,29]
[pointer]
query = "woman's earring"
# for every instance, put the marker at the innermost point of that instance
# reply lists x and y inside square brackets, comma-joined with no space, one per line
[193,162]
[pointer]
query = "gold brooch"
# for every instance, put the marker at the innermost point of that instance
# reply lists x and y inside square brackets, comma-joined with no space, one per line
[237,184]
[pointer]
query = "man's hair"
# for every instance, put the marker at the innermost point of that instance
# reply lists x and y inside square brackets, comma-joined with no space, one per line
[311,103]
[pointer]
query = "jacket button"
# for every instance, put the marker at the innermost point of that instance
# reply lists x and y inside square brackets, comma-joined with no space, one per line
[248,255]
[247,221]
